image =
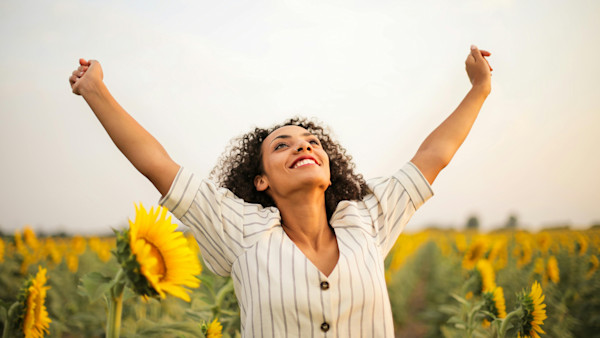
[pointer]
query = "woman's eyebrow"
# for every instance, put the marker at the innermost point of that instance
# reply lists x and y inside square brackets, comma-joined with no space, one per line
[280,136]
[288,136]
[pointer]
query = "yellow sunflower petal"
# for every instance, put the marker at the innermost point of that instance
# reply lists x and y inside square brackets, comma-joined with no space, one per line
[163,254]
[214,329]
[36,320]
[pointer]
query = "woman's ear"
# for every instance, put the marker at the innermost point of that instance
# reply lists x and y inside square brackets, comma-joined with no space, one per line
[261,183]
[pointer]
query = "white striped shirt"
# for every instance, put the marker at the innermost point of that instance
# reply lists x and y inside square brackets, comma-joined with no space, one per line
[280,292]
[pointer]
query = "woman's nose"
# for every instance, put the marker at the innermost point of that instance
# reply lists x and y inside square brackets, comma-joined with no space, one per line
[303,146]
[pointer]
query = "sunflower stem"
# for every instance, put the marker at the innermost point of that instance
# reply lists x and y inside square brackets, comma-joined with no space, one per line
[516,313]
[227,288]
[468,285]
[10,320]
[115,306]
[470,319]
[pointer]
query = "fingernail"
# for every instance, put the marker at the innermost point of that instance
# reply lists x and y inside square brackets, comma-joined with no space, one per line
[473,47]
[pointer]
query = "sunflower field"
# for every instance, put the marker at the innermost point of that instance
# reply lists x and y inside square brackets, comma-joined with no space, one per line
[441,283]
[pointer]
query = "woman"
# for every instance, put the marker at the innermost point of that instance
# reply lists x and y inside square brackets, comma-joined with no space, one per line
[302,235]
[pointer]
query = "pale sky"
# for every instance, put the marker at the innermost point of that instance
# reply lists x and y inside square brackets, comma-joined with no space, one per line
[380,74]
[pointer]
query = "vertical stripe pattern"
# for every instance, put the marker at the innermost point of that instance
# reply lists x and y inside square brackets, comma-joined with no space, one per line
[282,293]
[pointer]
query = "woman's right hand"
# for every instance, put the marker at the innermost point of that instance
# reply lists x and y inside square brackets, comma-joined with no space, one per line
[478,68]
[86,77]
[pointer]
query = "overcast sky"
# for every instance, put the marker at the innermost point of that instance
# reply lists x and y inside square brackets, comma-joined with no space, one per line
[380,74]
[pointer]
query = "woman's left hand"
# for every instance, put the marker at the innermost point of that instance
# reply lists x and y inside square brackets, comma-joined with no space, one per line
[478,68]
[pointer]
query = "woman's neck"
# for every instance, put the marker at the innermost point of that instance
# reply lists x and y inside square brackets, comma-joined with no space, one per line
[304,219]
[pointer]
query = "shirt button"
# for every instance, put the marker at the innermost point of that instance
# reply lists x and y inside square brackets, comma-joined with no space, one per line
[324,285]
[325,327]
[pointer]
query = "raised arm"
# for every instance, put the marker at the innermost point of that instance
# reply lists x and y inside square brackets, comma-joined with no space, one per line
[439,147]
[141,149]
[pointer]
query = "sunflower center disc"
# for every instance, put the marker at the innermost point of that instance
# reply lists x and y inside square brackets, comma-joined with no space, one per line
[159,268]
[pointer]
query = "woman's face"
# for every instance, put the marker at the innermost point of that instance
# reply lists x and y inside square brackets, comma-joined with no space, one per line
[293,160]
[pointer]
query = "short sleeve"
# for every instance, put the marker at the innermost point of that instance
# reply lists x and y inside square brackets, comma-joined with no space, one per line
[395,199]
[215,216]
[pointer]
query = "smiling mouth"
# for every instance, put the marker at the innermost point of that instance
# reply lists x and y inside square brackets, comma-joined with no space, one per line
[303,162]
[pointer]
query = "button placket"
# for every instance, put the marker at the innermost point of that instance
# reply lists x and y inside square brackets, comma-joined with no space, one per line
[327,284]
[325,297]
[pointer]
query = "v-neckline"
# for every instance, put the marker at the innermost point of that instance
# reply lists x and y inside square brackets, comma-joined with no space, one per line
[337,263]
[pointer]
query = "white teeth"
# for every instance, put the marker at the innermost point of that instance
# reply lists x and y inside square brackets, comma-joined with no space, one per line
[304,162]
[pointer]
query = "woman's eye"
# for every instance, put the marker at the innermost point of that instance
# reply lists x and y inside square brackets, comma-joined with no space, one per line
[314,142]
[280,145]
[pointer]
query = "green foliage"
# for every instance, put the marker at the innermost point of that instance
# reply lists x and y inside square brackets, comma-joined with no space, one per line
[512,222]
[428,293]
[472,223]
[216,299]
[573,304]
[95,285]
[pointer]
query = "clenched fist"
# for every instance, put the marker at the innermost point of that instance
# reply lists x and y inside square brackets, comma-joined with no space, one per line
[478,68]
[86,77]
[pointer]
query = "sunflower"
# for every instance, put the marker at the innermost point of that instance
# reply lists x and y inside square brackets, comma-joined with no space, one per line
[582,245]
[19,245]
[51,250]
[544,241]
[474,253]
[534,312]
[1,250]
[523,253]
[101,248]
[30,238]
[552,270]
[402,250]
[213,330]
[155,257]
[34,320]
[461,242]
[539,267]
[593,266]
[78,245]
[72,261]
[193,243]
[488,277]
[498,255]
[500,302]
[494,303]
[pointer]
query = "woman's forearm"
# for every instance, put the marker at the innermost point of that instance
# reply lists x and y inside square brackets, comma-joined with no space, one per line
[143,151]
[445,140]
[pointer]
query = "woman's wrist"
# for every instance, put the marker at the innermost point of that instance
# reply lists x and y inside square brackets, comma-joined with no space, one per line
[482,89]
[92,88]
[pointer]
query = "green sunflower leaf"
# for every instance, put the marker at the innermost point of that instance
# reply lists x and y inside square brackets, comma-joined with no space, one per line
[456,320]
[449,309]
[159,330]
[459,299]
[93,285]
[3,314]
[128,294]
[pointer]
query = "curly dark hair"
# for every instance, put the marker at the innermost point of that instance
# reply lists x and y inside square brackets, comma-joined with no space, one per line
[242,162]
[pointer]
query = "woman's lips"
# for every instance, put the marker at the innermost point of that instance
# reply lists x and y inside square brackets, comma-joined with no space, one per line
[304,160]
